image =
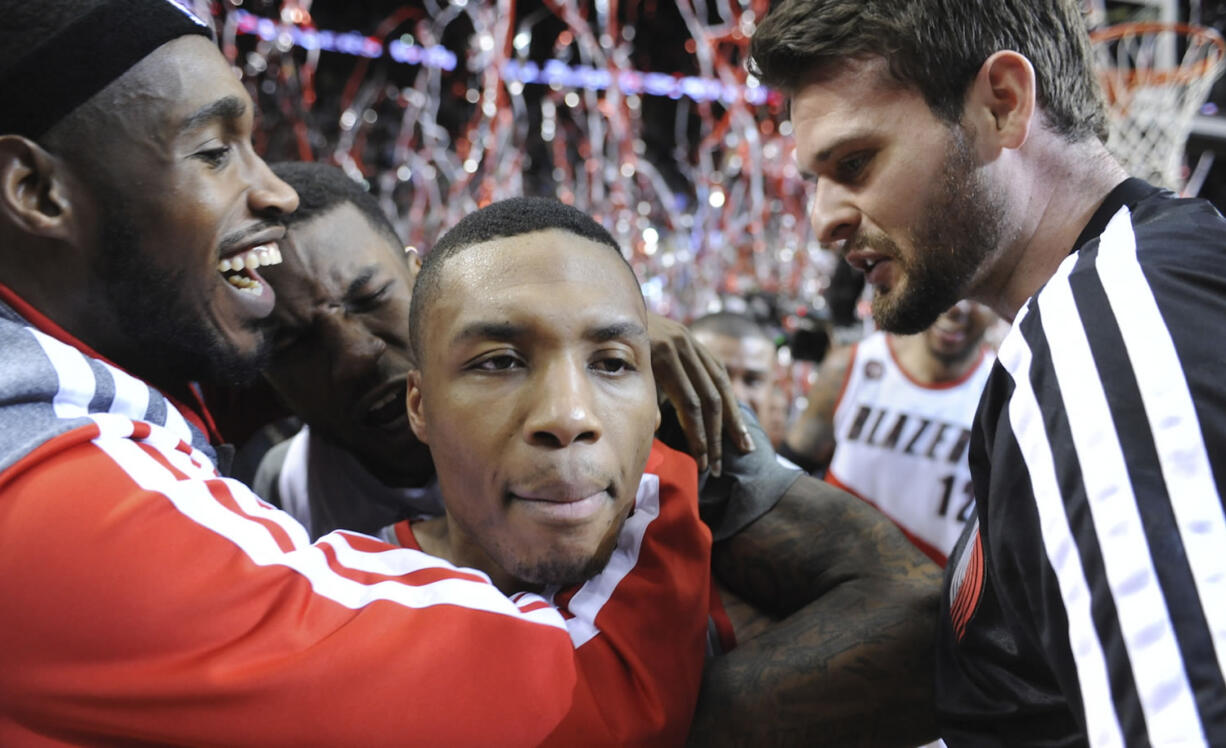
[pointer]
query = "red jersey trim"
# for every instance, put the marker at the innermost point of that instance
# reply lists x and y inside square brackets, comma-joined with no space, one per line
[889,345]
[924,546]
[969,589]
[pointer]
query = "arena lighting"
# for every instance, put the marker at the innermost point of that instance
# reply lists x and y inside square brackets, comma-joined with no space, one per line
[344,42]
[552,73]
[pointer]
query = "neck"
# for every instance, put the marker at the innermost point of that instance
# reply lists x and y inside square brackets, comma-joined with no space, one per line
[440,537]
[922,365]
[1060,188]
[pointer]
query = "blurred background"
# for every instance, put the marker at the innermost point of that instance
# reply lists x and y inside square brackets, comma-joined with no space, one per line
[639,112]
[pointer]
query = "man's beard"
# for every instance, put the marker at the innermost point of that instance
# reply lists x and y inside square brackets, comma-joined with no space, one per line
[962,226]
[167,340]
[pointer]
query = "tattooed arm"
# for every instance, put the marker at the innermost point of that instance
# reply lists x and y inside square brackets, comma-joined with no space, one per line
[850,660]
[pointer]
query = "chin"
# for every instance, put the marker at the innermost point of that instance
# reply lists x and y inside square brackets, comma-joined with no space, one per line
[563,571]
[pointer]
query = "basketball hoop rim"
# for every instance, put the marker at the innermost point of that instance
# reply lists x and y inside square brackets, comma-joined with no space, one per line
[1137,77]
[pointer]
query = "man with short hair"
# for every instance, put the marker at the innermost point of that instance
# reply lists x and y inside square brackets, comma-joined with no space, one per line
[956,152]
[755,508]
[528,489]
[745,350]
[889,419]
[340,352]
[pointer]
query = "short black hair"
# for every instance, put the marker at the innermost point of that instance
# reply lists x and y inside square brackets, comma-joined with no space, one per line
[501,220]
[938,46]
[730,324]
[322,187]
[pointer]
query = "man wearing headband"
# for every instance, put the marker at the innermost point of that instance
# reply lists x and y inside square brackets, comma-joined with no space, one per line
[148,599]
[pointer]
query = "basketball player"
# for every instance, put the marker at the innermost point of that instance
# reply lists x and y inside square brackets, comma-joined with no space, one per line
[896,411]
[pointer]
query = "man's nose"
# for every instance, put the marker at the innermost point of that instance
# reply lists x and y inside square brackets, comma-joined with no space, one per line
[833,216]
[561,411]
[269,195]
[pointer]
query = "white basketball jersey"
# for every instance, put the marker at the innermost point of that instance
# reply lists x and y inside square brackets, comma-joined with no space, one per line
[902,445]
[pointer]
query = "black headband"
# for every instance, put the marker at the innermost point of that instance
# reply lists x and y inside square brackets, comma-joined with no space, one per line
[81,59]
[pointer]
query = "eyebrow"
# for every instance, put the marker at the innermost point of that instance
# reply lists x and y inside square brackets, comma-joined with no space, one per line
[824,155]
[225,108]
[620,330]
[510,332]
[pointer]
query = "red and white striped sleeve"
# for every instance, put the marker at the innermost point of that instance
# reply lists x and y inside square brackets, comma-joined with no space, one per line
[148,599]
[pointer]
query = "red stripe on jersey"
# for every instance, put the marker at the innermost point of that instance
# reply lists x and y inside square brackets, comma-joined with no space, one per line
[221,492]
[924,546]
[415,578]
[966,599]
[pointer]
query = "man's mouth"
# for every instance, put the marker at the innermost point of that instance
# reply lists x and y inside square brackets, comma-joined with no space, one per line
[871,263]
[240,269]
[385,408]
[563,502]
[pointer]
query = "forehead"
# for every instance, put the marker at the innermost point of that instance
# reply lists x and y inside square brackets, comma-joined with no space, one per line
[749,352]
[553,276]
[333,249]
[178,82]
[855,99]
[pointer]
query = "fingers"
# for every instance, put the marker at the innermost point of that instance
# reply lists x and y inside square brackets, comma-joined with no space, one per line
[734,422]
[697,364]
[674,383]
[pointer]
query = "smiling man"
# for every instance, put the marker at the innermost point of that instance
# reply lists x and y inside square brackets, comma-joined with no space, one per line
[889,419]
[956,150]
[150,600]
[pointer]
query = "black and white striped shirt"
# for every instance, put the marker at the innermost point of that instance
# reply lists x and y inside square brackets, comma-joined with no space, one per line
[1087,602]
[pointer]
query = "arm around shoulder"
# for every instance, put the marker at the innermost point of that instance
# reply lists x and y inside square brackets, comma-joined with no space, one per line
[850,662]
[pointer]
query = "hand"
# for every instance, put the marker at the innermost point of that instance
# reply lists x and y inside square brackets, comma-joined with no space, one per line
[698,387]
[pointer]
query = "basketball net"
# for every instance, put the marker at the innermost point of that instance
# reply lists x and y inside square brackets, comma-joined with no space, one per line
[1155,76]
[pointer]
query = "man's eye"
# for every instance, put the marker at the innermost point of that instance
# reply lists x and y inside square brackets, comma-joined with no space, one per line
[613,365]
[852,167]
[368,302]
[501,362]
[214,157]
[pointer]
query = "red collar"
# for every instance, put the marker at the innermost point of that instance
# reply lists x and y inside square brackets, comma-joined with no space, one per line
[195,411]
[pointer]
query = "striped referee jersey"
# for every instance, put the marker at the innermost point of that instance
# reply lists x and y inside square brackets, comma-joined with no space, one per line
[1086,601]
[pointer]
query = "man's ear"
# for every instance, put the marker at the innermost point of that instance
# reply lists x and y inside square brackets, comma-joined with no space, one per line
[1001,104]
[417,416]
[35,193]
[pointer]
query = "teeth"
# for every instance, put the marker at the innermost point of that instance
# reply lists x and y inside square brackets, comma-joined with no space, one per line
[256,257]
[243,283]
